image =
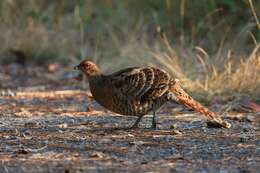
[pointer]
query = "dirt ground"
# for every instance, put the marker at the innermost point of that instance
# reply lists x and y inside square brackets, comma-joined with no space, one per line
[52,126]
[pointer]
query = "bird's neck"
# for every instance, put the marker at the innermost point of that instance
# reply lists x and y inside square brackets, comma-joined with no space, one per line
[96,85]
[95,79]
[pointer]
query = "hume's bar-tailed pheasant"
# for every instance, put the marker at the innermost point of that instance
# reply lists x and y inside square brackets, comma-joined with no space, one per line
[138,91]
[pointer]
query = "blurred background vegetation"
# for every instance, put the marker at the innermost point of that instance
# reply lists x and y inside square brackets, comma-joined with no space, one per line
[211,45]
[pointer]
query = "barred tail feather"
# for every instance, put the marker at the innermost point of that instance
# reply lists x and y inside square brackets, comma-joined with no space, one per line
[188,101]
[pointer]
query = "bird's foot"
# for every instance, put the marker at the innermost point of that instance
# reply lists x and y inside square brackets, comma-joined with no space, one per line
[133,127]
[153,127]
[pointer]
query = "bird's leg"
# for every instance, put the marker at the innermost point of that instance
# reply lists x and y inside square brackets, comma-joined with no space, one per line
[135,125]
[154,121]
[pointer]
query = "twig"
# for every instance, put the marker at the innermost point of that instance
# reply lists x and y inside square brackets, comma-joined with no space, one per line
[254,13]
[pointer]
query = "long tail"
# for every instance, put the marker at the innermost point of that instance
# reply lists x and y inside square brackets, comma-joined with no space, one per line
[188,101]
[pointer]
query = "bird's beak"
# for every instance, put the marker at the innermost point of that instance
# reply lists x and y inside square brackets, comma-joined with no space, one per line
[76,67]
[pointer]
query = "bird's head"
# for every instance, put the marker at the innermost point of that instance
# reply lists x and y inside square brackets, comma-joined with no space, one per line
[89,68]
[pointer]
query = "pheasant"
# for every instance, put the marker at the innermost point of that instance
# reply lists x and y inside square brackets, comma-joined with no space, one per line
[137,91]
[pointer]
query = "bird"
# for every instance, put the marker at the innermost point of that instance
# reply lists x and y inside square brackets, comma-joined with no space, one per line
[138,91]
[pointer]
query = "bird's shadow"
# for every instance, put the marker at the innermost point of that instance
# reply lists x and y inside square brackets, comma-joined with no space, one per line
[118,129]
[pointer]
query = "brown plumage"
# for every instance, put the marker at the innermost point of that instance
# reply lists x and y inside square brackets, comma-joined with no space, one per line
[138,91]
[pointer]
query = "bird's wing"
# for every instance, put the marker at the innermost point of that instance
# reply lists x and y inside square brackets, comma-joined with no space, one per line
[159,85]
[141,82]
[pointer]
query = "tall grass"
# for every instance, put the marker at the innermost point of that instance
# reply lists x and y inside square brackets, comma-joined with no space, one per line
[234,76]
[212,46]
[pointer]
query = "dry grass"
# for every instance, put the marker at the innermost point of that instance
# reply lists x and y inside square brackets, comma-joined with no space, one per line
[235,76]
[226,65]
